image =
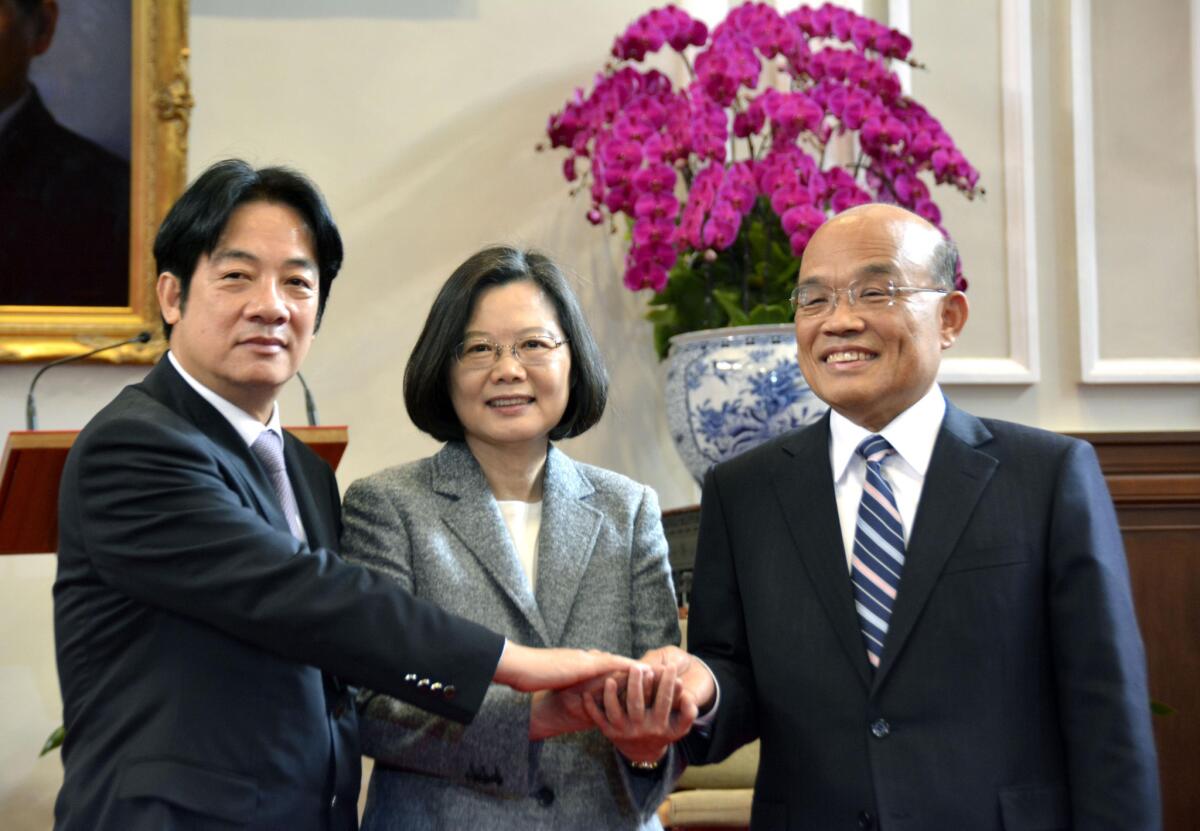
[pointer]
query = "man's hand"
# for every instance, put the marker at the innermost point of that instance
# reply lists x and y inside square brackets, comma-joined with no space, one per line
[529,669]
[556,712]
[696,678]
[643,728]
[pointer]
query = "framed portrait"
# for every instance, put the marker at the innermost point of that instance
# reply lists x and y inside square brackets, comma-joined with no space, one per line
[98,144]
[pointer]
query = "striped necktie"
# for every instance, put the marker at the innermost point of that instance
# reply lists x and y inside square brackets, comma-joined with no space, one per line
[268,447]
[878,555]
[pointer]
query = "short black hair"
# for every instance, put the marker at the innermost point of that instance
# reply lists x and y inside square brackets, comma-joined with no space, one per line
[427,375]
[28,7]
[194,225]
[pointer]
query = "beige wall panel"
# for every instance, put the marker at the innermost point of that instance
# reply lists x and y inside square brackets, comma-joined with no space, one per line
[963,87]
[1145,157]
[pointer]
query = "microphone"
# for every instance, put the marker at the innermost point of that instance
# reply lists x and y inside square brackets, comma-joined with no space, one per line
[31,408]
[310,404]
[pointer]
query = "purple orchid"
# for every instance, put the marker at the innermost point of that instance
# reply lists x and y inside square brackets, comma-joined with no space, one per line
[744,143]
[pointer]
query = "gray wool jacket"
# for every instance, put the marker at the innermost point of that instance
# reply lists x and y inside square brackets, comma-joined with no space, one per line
[603,581]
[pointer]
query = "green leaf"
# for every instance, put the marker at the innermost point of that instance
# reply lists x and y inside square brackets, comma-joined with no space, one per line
[761,314]
[756,236]
[662,337]
[54,740]
[1160,709]
[665,315]
[731,303]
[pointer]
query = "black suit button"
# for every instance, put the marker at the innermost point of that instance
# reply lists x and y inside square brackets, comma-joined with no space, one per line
[544,796]
[880,728]
[865,820]
[449,692]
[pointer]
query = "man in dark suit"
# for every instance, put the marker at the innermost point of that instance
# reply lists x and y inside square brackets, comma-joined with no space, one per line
[64,200]
[205,631]
[925,616]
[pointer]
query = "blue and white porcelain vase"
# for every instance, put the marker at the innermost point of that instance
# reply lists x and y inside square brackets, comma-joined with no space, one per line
[731,389]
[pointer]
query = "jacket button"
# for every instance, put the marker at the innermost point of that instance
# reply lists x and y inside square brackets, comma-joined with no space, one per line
[880,728]
[545,797]
[333,802]
[449,692]
[865,820]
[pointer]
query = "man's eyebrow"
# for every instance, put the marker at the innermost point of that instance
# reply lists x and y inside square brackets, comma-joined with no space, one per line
[882,268]
[234,254]
[879,269]
[246,256]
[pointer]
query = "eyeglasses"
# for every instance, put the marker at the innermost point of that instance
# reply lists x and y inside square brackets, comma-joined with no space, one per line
[532,350]
[815,300]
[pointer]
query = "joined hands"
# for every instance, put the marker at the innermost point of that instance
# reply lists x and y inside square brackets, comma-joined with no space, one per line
[642,708]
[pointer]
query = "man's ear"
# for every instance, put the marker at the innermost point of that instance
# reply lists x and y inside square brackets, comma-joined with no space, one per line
[170,297]
[45,20]
[955,311]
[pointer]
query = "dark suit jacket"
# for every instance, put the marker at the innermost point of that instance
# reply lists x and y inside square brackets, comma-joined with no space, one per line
[1012,691]
[204,652]
[64,215]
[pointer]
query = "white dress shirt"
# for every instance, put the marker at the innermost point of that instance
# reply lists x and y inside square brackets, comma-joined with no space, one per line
[247,426]
[912,434]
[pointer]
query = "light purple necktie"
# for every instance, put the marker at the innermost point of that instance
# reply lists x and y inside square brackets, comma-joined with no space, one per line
[268,447]
[878,555]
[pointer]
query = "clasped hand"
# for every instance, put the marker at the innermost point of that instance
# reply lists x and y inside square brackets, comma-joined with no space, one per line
[642,709]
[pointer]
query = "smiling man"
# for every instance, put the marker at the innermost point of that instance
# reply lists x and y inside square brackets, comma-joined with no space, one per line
[925,616]
[206,632]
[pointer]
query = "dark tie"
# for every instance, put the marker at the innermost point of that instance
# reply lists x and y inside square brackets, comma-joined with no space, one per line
[878,555]
[268,447]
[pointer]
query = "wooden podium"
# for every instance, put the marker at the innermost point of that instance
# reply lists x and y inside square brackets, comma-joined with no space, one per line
[32,466]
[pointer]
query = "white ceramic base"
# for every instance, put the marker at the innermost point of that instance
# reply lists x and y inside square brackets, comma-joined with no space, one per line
[731,389]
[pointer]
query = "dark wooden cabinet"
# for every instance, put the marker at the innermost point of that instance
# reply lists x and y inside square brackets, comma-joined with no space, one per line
[1154,479]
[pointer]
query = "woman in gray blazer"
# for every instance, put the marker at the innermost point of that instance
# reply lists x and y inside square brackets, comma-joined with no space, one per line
[505,529]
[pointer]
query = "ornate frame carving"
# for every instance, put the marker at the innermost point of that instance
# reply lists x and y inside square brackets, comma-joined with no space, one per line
[161,106]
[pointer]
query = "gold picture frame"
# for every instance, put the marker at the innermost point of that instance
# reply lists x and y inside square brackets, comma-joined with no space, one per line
[161,105]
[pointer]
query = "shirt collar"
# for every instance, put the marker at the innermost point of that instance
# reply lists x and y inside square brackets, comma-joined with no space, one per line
[247,426]
[912,434]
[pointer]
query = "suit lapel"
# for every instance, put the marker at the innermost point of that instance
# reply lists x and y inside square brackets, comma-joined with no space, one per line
[570,527]
[957,475]
[167,386]
[473,517]
[803,482]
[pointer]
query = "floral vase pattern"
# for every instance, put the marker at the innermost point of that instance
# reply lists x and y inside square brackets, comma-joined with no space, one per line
[731,389]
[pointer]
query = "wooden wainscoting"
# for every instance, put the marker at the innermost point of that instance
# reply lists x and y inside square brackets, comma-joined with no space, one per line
[1155,483]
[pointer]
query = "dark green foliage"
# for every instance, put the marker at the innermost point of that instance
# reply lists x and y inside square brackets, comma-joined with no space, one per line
[747,284]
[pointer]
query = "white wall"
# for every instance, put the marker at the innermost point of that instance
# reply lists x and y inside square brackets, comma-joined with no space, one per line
[419,121]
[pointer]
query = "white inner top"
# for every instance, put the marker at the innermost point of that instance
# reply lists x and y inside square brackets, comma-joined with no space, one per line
[524,521]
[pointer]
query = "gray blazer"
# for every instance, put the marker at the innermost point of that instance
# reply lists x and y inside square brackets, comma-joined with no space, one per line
[603,581]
